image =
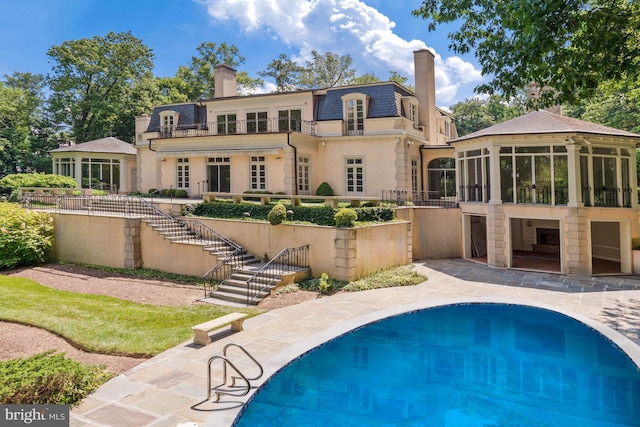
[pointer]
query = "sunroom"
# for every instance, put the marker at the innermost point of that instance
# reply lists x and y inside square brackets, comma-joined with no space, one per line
[551,193]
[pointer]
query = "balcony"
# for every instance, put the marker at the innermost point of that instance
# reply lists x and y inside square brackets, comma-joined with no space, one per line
[237,127]
[419,198]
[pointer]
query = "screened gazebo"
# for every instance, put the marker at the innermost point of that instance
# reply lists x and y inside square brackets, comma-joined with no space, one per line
[549,192]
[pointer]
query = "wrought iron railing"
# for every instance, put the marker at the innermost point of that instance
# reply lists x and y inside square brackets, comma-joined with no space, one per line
[419,198]
[238,127]
[288,260]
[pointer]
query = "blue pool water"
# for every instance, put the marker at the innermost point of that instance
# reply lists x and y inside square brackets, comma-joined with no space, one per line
[471,365]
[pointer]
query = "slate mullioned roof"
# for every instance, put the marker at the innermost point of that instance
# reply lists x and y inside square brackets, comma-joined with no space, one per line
[383,101]
[190,114]
[105,145]
[545,122]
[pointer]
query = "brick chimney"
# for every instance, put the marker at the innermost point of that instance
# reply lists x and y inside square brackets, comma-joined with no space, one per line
[426,92]
[225,81]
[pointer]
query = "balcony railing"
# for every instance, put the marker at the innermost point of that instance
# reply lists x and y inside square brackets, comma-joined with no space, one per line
[419,198]
[607,197]
[237,127]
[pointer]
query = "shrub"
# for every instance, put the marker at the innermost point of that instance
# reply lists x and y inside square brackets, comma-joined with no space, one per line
[345,217]
[324,285]
[181,194]
[40,180]
[324,189]
[26,237]
[48,379]
[152,192]
[277,214]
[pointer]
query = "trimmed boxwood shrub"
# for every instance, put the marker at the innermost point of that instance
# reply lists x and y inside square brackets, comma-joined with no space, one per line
[324,189]
[319,215]
[345,217]
[277,214]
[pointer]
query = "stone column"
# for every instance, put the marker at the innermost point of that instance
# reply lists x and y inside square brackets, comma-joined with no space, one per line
[496,236]
[132,245]
[577,242]
[345,254]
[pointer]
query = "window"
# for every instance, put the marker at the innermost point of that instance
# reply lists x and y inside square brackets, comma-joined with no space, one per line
[442,178]
[102,174]
[354,113]
[355,175]
[219,174]
[355,117]
[289,120]
[413,114]
[257,122]
[303,175]
[415,175]
[227,124]
[168,122]
[65,167]
[258,170]
[182,173]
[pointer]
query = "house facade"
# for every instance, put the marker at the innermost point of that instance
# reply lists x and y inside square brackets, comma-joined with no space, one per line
[548,192]
[362,140]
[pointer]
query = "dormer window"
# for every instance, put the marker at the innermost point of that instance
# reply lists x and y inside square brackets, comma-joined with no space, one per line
[168,122]
[355,111]
[410,105]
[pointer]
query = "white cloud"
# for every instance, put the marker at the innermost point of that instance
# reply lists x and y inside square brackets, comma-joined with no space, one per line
[342,27]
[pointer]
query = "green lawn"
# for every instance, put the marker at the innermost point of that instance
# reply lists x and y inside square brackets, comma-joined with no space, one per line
[100,323]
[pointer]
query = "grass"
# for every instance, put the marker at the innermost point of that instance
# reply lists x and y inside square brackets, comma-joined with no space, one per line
[146,273]
[102,324]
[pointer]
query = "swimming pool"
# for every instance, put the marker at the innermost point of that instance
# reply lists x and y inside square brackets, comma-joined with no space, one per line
[480,364]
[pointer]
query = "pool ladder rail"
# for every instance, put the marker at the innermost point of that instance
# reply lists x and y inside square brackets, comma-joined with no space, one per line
[231,389]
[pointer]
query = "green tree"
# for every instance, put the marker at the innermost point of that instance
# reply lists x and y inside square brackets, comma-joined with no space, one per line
[41,136]
[570,46]
[14,128]
[365,78]
[92,80]
[474,114]
[327,70]
[199,76]
[284,71]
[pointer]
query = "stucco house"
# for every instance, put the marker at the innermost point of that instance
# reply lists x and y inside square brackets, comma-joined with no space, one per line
[361,140]
[538,192]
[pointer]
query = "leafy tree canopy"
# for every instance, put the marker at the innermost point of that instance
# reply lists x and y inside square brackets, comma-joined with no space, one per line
[199,76]
[284,71]
[92,80]
[474,114]
[327,70]
[570,46]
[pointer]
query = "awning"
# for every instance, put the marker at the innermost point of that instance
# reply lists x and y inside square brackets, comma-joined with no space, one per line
[222,152]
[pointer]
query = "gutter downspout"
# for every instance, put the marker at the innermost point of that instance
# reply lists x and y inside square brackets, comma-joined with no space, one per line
[295,164]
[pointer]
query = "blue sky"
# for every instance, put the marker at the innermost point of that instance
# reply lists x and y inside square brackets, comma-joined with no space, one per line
[380,35]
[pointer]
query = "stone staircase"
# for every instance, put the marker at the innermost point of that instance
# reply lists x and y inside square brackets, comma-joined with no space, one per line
[245,281]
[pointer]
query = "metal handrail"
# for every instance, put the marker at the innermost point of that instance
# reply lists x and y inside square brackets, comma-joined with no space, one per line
[225,361]
[275,268]
[229,260]
[238,127]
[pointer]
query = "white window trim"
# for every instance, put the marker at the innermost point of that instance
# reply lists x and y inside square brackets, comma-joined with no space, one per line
[356,96]
[346,180]
[164,115]
[411,103]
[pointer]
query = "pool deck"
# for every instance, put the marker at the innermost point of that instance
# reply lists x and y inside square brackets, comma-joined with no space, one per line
[170,389]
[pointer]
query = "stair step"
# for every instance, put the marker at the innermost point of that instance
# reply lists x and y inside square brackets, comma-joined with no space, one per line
[235,298]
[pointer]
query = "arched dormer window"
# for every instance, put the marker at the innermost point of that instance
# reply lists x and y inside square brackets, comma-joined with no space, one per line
[168,122]
[410,106]
[354,112]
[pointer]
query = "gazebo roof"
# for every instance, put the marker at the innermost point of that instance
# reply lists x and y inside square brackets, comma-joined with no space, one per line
[109,145]
[545,122]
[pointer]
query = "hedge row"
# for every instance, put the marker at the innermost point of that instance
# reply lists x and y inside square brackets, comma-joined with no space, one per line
[312,214]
